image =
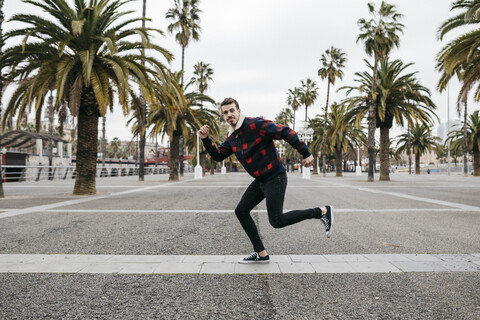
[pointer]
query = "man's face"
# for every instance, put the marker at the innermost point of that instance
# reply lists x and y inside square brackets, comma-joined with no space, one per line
[231,114]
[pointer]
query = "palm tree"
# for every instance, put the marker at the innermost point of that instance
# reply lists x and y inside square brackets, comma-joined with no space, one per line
[185,16]
[472,137]
[88,56]
[333,61]
[284,117]
[342,134]
[308,94]
[318,126]
[379,36]
[293,100]
[421,141]
[399,98]
[115,146]
[202,75]
[461,58]
[175,114]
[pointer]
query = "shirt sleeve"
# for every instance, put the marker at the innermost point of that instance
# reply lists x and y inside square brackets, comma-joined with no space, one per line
[220,153]
[275,131]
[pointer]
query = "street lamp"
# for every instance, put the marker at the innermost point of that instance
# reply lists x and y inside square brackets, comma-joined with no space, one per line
[198,167]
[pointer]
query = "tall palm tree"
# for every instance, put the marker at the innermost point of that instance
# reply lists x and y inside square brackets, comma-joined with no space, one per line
[318,126]
[87,54]
[472,137]
[175,114]
[342,134]
[115,146]
[421,141]
[186,17]
[293,100]
[202,75]
[379,36]
[284,117]
[461,57]
[308,94]
[399,98]
[333,61]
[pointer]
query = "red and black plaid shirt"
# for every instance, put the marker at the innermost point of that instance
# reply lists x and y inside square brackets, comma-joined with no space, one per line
[253,146]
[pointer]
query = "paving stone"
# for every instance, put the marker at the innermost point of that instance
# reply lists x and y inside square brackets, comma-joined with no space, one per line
[257,268]
[102,268]
[454,257]
[99,258]
[476,256]
[386,257]
[421,257]
[218,268]
[146,258]
[280,258]
[233,258]
[418,266]
[375,266]
[203,258]
[175,267]
[48,267]
[460,266]
[297,267]
[17,258]
[308,258]
[345,257]
[140,268]
[332,267]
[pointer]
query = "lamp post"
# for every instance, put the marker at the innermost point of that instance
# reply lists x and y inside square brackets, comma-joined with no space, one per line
[358,169]
[306,135]
[198,167]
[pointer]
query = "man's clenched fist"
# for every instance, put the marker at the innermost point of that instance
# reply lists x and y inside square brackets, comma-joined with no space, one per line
[204,131]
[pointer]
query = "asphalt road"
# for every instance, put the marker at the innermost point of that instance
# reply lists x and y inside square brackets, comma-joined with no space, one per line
[410,214]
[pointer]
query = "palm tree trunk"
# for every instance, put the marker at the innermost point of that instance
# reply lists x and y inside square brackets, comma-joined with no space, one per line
[324,139]
[87,144]
[50,136]
[338,162]
[372,125]
[174,155]
[306,111]
[384,154]
[465,165]
[476,162]
[183,61]
[417,163]
[212,166]
[315,163]
[294,119]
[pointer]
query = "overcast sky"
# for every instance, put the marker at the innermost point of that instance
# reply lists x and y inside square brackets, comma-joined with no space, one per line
[260,49]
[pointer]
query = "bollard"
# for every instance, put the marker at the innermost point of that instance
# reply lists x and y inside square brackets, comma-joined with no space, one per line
[306,173]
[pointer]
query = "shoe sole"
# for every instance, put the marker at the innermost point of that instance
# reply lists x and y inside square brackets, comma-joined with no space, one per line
[329,233]
[255,262]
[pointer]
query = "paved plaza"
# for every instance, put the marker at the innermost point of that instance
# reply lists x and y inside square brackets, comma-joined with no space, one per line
[404,249]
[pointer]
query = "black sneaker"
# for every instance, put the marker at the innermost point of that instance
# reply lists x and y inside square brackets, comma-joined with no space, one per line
[327,220]
[255,258]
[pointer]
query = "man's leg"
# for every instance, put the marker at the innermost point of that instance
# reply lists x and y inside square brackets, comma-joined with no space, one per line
[274,191]
[250,199]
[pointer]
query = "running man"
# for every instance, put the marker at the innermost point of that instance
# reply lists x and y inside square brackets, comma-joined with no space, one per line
[251,139]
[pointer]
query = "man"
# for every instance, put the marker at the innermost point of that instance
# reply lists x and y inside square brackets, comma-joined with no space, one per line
[251,139]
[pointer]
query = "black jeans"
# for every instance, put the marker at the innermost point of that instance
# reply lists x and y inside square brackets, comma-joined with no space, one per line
[273,191]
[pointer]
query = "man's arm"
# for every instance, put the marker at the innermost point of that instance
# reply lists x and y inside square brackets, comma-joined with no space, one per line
[275,131]
[217,154]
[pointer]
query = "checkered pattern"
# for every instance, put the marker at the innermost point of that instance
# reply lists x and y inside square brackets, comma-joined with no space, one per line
[254,148]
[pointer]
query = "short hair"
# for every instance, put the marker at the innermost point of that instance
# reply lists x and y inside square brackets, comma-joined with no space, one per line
[228,101]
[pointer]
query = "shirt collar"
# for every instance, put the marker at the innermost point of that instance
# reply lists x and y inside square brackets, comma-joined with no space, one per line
[237,126]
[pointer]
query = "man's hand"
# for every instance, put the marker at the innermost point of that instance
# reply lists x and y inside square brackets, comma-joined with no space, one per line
[204,131]
[307,162]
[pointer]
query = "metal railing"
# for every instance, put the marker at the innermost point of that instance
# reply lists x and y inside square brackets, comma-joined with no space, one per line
[16,173]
